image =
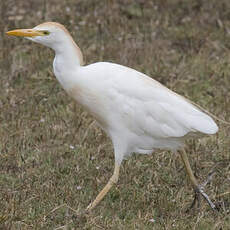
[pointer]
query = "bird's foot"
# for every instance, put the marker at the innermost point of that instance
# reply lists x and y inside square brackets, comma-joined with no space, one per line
[199,190]
[89,208]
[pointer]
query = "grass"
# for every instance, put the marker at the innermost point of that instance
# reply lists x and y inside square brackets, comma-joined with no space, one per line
[53,158]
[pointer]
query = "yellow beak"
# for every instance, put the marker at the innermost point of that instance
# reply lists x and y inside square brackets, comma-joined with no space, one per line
[25,33]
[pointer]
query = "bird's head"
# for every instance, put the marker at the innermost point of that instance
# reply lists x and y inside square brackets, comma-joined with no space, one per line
[50,34]
[53,35]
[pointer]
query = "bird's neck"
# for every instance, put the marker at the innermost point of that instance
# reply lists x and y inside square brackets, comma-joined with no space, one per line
[68,58]
[68,53]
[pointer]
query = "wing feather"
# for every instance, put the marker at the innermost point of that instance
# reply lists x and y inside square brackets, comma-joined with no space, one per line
[150,108]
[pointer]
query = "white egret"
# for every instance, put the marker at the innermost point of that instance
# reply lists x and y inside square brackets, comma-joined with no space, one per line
[138,113]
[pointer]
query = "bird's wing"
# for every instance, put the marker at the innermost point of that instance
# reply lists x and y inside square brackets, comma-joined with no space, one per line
[149,108]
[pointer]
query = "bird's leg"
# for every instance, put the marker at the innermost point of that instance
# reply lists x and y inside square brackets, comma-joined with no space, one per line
[113,180]
[198,189]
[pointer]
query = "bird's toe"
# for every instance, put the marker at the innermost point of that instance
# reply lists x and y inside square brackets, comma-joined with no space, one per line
[199,190]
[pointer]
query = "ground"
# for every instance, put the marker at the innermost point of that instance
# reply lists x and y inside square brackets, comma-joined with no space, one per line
[54,159]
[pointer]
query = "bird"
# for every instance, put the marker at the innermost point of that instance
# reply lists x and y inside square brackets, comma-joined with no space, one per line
[138,113]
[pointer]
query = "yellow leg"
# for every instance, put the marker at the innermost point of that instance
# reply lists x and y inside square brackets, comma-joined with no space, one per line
[197,188]
[113,180]
[185,160]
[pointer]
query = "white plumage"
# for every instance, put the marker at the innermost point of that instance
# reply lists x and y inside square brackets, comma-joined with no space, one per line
[138,113]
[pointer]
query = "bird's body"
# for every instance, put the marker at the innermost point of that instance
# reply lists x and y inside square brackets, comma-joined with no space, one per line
[138,113]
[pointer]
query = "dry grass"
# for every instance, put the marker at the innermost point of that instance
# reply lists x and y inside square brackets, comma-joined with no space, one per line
[52,155]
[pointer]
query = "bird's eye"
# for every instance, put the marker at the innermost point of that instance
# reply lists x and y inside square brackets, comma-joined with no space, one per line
[46,32]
